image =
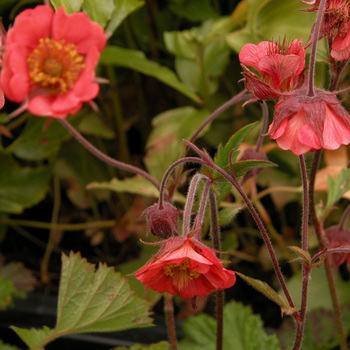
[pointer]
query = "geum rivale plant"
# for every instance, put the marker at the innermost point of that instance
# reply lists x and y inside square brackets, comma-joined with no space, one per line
[50,69]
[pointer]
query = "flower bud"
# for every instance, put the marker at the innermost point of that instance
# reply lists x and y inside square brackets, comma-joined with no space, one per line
[162,222]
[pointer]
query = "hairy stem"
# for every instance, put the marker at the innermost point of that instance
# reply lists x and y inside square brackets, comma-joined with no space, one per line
[115,163]
[169,312]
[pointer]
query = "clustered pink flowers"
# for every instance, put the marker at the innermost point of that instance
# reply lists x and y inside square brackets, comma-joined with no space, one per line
[302,121]
[50,59]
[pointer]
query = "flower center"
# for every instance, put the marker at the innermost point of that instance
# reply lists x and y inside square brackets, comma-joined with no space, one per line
[55,65]
[180,273]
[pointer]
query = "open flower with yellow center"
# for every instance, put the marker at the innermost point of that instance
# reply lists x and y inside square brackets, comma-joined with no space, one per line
[50,59]
[185,267]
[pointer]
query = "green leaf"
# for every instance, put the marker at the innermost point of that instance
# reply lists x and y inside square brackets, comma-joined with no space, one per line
[318,282]
[92,124]
[137,61]
[266,290]
[33,337]
[122,9]
[38,141]
[241,168]
[96,301]
[170,128]
[159,346]
[69,5]
[242,331]
[7,290]
[21,187]
[99,11]
[90,300]
[226,215]
[194,10]
[272,19]
[4,346]
[223,154]
[336,188]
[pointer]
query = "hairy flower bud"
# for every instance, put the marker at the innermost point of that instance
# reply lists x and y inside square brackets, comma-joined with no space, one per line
[162,222]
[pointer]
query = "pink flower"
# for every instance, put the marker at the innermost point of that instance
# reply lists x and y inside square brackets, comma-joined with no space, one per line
[340,49]
[2,46]
[185,267]
[281,68]
[338,237]
[302,123]
[50,59]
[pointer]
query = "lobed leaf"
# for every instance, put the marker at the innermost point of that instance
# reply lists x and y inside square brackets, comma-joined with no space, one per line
[242,331]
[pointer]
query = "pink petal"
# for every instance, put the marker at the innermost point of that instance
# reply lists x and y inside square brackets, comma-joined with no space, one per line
[279,67]
[309,137]
[335,132]
[251,54]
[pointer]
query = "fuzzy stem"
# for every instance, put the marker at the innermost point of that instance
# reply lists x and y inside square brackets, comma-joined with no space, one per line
[239,97]
[232,179]
[306,268]
[115,163]
[215,235]
[186,227]
[265,120]
[169,312]
[168,172]
[320,236]
[203,204]
[312,62]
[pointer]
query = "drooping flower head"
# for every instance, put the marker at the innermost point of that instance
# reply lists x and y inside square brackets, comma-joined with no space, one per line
[281,67]
[50,59]
[302,123]
[185,267]
[338,237]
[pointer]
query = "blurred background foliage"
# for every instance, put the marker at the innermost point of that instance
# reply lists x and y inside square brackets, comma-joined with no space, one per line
[169,65]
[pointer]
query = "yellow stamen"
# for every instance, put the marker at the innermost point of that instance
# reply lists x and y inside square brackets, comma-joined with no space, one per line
[180,273]
[55,65]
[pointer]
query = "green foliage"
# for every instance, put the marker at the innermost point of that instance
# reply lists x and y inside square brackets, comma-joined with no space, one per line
[7,290]
[90,300]
[272,19]
[4,346]
[107,13]
[336,188]
[242,331]
[136,60]
[21,187]
[159,346]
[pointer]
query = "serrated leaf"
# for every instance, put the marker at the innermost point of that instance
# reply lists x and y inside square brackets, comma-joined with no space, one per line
[33,337]
[137,61]
[265,289]
[90,300]
[159,346]
[122,9]
[21,187]
[242,331]
[69,5]
[4,346]
[96,301]
[99,11]
[336,188]
[222,156]
[241,168]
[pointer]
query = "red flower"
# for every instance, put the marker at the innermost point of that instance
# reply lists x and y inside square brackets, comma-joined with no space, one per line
[338,237]
[302,123]
[185,267]
[50,59]
[281,69]
[340,49]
